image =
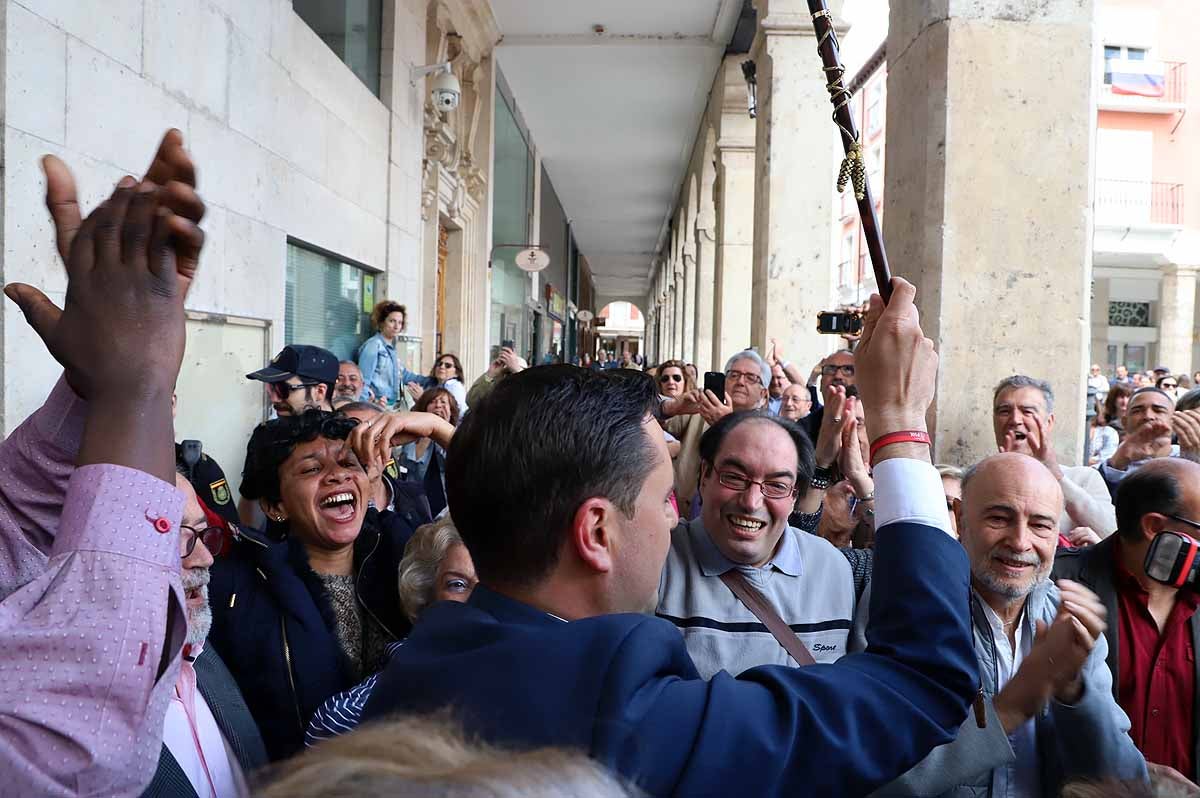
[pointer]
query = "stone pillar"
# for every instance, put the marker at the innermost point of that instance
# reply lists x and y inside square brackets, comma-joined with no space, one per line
[678,305]
[702,346]
[734,266]
[686,352]
[797,155]
[1177,318]
[988,207]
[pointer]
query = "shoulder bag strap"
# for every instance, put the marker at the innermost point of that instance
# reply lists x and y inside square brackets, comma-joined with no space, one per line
[735,580]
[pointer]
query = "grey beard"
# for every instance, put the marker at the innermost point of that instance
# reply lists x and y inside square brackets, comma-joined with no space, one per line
[1011,592]
[199,619]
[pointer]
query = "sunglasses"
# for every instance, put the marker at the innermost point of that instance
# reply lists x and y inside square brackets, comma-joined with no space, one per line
[283,390]
[446,364]
[1170,385]
[210,536]
[672,377]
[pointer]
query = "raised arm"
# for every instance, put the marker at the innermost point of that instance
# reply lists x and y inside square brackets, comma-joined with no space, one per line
[90,647]
[816,730]
[37,459]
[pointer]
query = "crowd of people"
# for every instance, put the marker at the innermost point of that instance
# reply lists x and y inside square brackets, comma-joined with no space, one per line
[593,580]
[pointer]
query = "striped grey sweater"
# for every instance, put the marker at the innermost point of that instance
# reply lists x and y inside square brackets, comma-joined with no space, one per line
[809,583]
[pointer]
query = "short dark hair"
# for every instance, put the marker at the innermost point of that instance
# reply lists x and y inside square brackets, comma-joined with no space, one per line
[427,397]
[275,441]
[532,451]
[1147,490]
[714,436]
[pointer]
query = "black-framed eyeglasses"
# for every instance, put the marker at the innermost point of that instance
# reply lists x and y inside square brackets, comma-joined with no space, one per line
[672,377]
[771,488]
[1192,524]
[830,370]
[1170,385]
[283,389]
[210,536]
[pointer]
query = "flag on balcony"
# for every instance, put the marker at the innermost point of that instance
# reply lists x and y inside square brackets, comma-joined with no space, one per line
[1140,78]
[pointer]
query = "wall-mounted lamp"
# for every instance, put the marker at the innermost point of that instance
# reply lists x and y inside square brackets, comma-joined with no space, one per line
[530,258]
[750,73]
[584,316]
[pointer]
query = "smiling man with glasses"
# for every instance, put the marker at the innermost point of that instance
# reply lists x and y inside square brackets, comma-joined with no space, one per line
[753,466]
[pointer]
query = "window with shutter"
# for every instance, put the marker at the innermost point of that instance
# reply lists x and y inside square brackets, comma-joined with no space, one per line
[327,302]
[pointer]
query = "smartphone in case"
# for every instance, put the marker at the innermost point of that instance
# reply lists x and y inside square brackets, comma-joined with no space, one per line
[715,381]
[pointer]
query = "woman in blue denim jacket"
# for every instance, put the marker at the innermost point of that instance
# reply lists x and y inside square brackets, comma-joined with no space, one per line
[377,357]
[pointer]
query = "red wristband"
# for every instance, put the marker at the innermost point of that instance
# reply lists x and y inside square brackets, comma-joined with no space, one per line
[904,436]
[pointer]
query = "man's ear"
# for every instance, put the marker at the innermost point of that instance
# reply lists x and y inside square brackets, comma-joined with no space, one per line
[1151,524]
[592,534]
[320,392]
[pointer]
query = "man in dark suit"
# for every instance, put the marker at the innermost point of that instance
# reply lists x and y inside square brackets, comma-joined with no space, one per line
[560,483]
[209,738]
[1153,629]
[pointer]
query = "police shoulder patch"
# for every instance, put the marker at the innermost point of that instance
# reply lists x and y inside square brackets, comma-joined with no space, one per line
[220,491]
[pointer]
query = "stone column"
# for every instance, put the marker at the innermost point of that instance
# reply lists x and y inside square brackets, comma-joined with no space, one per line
[797,155]
[678,304]
[1177,318]
[734,266]
[705,274]
[988,207]
[686,352]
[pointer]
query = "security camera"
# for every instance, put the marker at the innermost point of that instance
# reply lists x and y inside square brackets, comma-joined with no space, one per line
[446,91]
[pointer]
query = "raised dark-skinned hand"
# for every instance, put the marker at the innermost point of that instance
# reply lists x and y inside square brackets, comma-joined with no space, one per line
[174,176]
[120,334]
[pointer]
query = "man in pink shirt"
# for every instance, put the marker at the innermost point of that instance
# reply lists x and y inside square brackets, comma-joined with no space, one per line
[91,616]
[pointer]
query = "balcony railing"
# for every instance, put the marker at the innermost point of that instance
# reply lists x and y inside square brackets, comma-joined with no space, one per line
[1174,83]
[1130,202]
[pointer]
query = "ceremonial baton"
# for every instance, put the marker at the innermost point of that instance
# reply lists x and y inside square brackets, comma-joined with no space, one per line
[853,170]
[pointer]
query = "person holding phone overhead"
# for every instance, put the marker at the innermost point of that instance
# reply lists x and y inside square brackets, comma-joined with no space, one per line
[741,387]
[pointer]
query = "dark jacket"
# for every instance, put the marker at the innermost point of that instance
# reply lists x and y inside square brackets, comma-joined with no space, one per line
[623,688]
[273,623]
[220,691]
[1093,568]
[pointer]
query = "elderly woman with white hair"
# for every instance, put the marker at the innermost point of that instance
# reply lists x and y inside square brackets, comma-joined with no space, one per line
[436,567]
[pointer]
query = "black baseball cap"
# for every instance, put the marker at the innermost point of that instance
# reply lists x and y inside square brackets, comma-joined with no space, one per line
[307,362]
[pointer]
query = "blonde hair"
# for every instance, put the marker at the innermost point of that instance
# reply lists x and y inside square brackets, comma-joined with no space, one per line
[425,551]
[430,756]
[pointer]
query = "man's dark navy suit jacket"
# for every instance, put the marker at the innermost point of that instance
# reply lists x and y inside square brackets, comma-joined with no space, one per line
[623,688]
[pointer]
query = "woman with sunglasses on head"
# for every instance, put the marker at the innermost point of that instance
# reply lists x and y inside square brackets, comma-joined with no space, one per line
[307,612]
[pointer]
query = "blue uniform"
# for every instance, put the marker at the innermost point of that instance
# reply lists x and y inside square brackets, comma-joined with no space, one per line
[623,688]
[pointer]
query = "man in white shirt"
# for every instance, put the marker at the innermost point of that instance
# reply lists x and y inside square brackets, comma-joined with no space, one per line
[209,736]
[1023,421]
[1046,715]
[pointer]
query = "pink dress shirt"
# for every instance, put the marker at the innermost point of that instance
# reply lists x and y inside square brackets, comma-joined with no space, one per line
[89,579]
[192,736]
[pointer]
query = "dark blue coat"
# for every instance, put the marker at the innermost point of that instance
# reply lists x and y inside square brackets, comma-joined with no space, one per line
[273,623]
[623,688]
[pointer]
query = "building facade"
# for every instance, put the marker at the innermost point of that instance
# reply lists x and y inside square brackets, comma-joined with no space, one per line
[331,181]
[1146,241]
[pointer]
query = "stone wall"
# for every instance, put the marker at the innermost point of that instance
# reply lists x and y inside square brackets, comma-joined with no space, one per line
[288,142]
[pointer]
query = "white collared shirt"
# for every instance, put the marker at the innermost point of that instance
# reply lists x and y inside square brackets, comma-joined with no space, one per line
[201,750]
[1023,779]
